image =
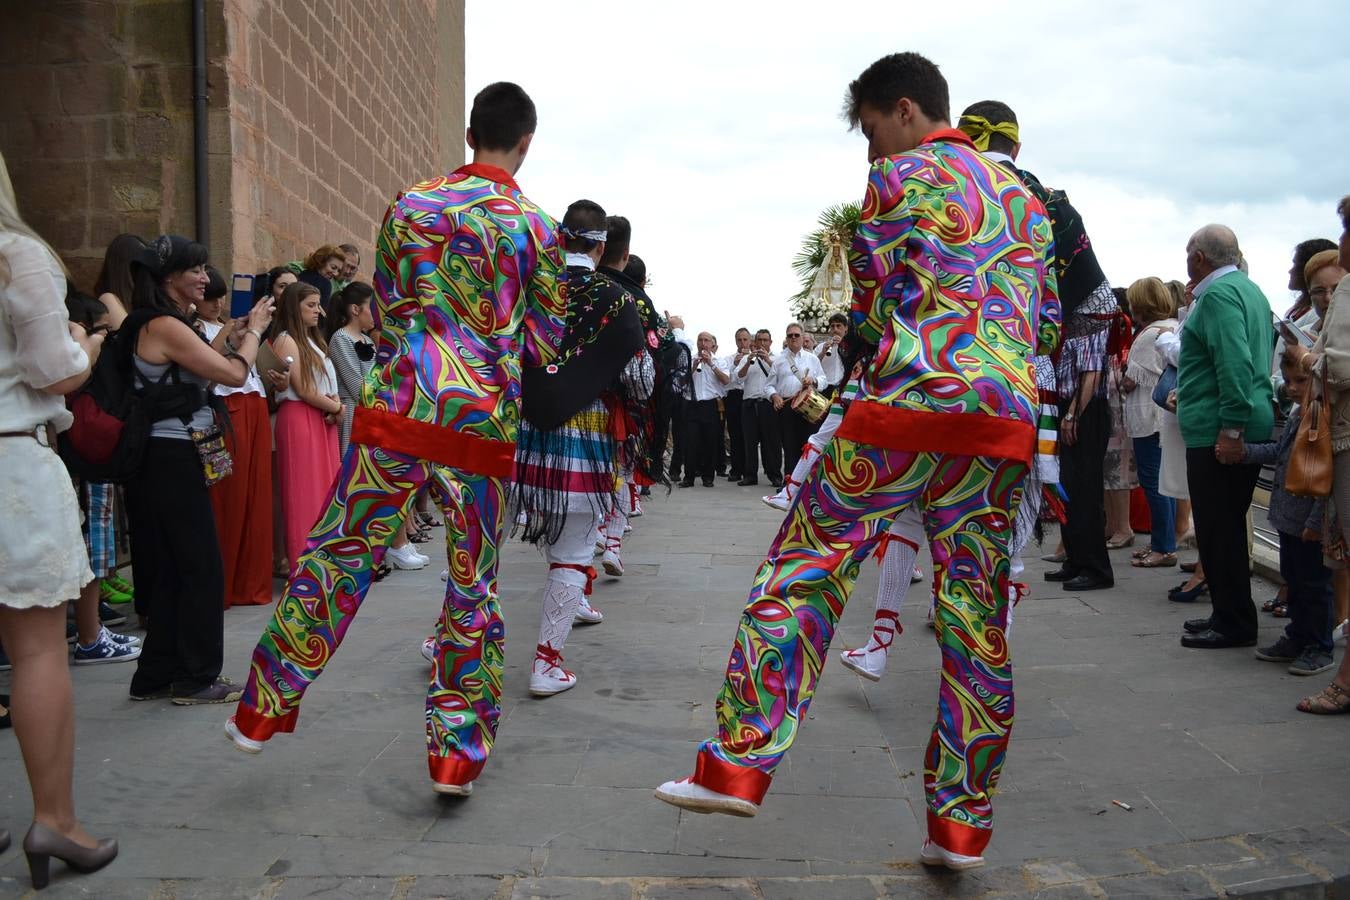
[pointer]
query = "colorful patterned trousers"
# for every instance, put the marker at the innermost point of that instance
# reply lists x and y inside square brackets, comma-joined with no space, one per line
[799,594]
[371,496]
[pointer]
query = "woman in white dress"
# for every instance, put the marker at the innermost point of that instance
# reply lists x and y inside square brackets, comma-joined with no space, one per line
[42,557]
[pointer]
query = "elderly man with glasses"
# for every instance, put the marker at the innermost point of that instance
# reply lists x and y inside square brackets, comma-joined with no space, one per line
[794,369]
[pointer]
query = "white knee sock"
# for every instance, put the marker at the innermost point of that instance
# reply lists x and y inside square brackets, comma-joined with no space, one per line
[810,455]
[614,526]
[561,599]
[902,549]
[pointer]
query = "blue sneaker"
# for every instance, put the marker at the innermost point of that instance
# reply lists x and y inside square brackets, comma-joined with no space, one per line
[105,650]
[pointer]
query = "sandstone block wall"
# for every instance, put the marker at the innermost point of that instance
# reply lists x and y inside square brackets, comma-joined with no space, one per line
[320,110]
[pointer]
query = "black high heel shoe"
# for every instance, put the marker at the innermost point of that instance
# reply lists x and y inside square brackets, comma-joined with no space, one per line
[41,844]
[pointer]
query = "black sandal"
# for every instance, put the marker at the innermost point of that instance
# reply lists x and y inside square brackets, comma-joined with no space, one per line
[428,520]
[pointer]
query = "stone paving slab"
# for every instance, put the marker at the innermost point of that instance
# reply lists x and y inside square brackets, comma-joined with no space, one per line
[1233,791]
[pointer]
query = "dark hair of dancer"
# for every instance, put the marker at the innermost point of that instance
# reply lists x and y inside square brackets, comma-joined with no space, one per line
[995,112]
[890,78]
[619,239]
[502,114]
[582,216]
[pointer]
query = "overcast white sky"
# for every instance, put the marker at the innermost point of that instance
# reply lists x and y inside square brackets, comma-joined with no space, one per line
[715,127]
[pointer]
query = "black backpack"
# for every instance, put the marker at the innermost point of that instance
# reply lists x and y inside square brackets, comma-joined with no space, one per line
[116,408]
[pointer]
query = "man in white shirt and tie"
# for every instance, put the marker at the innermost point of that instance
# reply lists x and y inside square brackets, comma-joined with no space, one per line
[703,418]
[758,416]
[794,369]
[827,351]
[733,403]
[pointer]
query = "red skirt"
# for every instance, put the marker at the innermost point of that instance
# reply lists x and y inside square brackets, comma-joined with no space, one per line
[307,463]
[243,503]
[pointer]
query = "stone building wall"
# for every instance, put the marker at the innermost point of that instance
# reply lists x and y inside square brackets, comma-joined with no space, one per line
[319,111]
[96,119]
[334,107]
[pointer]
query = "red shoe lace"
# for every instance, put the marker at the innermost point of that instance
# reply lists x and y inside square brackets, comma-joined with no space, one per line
[881,636]
[552,658]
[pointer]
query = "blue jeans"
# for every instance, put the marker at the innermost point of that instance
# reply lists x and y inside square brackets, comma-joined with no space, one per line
[1311,615]
[1162,510]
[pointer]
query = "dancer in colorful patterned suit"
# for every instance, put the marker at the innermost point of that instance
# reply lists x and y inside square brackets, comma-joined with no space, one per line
[953,282]
[992,128]
[467,288]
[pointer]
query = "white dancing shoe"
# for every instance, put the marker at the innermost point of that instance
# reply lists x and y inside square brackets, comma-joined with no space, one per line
[934,855]
[929,621]
[547,676]
[636,511]
[627,529]
[869,661]
[406,558]
[429,649]
[453,790]
[916,576]
[587,614]
[599,548]
[1340,633]
[778,501]
[246,744]
[611,563]
[696,798]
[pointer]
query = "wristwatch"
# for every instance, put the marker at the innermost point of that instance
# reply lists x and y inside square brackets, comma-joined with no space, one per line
[1233,434]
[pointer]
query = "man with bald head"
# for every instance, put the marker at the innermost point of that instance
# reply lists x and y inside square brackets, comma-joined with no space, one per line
[1224,399]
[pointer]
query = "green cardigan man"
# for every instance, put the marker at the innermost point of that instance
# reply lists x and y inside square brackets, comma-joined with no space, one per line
[1224,400]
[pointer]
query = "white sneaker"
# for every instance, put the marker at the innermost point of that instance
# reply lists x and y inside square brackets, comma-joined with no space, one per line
[611,563]
[636,511]
[778,501]
[429,649]
[453,790]
[445,574]
[867,661]
[420,555]
[547,676]
[627,529]
[587,614]
[696,798]
[916,576]
[1340,633]
[599,548]
[929,621]
[934,855]
[246,744]
[406,558]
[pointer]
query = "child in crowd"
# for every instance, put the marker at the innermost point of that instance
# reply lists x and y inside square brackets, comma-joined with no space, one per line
[307,416]
[94,643]
[1306,643]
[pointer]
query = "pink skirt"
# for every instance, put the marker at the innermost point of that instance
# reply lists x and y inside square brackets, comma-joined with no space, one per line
[307,463]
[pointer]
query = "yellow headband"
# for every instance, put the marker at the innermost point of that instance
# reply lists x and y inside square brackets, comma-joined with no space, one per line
[981,130]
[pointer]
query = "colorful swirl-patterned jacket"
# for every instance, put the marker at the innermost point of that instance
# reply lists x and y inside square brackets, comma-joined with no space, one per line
[468,286]
[954,279]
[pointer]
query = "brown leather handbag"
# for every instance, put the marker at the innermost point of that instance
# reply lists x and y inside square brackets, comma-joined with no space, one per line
[1310,459]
